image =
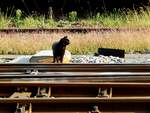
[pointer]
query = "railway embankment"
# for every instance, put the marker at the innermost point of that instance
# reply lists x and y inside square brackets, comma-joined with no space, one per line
[129,58]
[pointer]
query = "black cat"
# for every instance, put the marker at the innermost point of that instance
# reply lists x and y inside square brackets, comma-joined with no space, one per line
[59,49]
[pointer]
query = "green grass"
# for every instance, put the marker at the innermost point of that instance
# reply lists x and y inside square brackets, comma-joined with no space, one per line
[5,22]
[117,18]
[30,43]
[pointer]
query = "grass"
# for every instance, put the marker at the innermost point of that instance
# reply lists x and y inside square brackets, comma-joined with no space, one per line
[117,18]
[27,43]
[30,43]
[4,22]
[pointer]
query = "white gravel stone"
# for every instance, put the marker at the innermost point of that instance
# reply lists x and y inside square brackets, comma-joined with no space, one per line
[129,59]
[97,59]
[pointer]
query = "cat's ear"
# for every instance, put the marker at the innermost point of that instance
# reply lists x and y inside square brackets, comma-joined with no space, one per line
[65,37]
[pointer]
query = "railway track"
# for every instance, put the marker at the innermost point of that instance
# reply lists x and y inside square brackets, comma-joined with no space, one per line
[80,30]
[74,88]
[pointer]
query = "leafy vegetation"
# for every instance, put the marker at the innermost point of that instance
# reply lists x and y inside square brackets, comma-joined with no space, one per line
[117,18]
[72,16]
[88,43]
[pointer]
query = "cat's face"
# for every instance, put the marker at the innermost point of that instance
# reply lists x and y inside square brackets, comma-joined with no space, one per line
[65,41]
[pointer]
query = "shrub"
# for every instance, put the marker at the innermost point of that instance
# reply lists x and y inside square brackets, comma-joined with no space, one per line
[72,16]
[17,18]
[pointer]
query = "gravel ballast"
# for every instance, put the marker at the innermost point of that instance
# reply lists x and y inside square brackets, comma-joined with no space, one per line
[129,59]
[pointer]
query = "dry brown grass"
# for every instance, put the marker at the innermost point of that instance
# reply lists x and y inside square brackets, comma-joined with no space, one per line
[30,43]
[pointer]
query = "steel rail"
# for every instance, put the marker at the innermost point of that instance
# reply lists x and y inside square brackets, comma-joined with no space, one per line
[78,77]
[74,74]
[75,67]
[81,30]
[75,84]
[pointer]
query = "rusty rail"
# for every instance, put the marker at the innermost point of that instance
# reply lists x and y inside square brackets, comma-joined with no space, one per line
[75,67]
[79,30]
[75,87]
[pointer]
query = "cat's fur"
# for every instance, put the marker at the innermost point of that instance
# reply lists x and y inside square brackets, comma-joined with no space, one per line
[59,49]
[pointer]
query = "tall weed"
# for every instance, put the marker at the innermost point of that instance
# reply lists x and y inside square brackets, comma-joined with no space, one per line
[88,43]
